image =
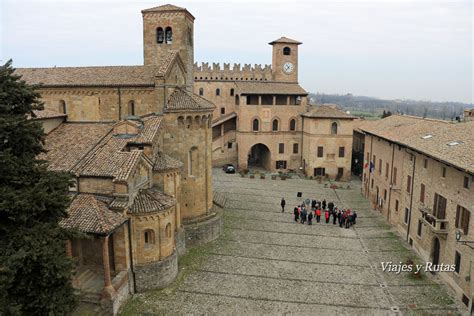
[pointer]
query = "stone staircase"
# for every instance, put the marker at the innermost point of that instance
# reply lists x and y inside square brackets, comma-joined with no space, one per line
[89,285]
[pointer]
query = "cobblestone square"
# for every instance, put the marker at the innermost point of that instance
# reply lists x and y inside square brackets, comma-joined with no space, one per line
[265,263]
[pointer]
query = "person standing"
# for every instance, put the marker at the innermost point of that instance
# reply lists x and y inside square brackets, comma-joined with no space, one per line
[318,215]
[326,216]
[310,218]
[355,217]
[283,203]
[324,204]
[331,206]
[334,216]
[297,213]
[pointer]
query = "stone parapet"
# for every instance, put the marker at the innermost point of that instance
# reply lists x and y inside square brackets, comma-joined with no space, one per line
[204,229]
[247,72]
[156,275]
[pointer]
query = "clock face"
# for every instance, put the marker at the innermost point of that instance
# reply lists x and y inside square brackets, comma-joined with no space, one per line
[288,67]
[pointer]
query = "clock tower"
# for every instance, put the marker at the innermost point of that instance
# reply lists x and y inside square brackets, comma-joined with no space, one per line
[285,60]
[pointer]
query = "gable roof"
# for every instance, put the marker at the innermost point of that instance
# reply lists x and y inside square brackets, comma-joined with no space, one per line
[168,8]
[184,100]
[163,162]
[430,137]
[327,111]
[91,215]
[285,40]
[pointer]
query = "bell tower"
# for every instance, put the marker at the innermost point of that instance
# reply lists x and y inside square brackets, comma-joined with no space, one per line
[169,28]
[285,59]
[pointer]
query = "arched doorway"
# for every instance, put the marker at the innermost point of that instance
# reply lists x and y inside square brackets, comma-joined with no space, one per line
[435,252]
[259,156]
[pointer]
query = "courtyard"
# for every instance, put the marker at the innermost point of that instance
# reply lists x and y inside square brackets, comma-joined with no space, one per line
[265,263]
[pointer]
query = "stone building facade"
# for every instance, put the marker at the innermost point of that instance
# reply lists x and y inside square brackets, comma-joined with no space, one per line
[137,141]
[418,173]
[258,120]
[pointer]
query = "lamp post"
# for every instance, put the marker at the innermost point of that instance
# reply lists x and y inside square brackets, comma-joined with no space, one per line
[463,242]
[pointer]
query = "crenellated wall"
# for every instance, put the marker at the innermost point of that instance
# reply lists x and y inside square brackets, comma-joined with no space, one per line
[246,72]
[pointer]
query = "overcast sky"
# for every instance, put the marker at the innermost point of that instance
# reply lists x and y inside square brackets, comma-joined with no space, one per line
[407,49]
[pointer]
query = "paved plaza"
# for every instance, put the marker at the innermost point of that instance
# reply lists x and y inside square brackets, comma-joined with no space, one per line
[265,263]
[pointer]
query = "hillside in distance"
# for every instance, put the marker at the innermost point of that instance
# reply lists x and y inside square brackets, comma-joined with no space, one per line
[374,107]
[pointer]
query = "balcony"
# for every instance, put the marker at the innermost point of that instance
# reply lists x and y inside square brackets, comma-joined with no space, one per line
[437,225]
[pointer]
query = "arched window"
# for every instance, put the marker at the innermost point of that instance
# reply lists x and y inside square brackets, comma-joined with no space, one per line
[168,230]
[286,51]
[192,161]
[275,125]
[255,124]
[168,35]
[292,125]
[232,92]
[149,237]
[160,35]
[218,92]
[237,100]
[62,107]
[131,108]
[334,128]
[201,91]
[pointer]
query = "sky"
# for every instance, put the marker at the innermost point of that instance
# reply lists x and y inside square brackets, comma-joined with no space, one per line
[392,49]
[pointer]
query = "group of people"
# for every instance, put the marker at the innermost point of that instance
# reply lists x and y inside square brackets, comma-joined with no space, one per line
[304,213]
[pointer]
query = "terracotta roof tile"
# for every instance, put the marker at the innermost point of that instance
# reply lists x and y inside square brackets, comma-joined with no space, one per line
[183,100]
[164,7]
[269,87]
[150,201]
[414,132]
[285,40]
[91,215]
[70,142]
[327,111]
[164,162]
[45,114]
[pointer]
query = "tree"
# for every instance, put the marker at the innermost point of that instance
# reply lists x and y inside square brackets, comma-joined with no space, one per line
[35,272]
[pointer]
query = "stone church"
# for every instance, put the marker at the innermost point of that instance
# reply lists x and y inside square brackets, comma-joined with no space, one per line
[138,142]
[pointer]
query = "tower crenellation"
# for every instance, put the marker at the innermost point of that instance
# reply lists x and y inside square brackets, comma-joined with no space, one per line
[225,72]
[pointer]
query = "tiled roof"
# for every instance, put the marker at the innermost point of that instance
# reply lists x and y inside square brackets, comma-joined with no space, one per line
[167,61]
[150,201]
[164,162]
[45,114]
[70,142]
[183,100]
[152,125]
[90,215]
[91,76]
[414,132]
[168,8]
[285,40]
[327,111]
[268,87]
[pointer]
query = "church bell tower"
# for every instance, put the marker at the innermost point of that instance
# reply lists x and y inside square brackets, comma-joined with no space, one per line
[285,60]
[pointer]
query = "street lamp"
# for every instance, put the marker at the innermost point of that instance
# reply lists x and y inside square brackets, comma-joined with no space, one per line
[463,242]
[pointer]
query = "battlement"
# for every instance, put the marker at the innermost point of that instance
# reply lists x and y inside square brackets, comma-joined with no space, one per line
[237,72]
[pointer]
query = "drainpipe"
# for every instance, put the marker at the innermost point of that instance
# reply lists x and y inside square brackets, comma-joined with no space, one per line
[390,186]
[131,255]
[411,195]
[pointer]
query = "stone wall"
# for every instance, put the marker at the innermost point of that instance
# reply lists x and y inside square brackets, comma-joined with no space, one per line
[246,72]
[156,275]
[205,229]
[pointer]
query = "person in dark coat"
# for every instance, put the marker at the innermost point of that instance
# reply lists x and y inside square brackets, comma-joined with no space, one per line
[334,216]
[303,215]
[324,204]
[341,218]
[355,217]
[283,203]
[331,206]
[297,214]
[310,218]
[347,220]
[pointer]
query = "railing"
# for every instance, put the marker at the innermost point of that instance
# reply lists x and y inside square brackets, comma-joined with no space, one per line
[437,225]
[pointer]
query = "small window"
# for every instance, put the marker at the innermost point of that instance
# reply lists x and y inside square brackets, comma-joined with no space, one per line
[292,125]
[387,168]
[385,194]
[341,151]
[406,215]
[420,226]
[286,51]
[229,145]
[396,205]
[255,124]
[295,148]
[319,172]
[457,262]
[422,193]
[160,35]
[232,92]
[425,163]
[372,184]
[62,107]
[409,184]
[201,91]
[466,183]
[281,148]
[462,219]
[218,92]
[380,166]
[149,237]
[168,35]
[281,164]
[394,177]
[222,111]
[443,172]
[168,230]
[275,125]
[334,128]
[237,100]
[131,108]
[320,151]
